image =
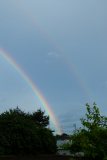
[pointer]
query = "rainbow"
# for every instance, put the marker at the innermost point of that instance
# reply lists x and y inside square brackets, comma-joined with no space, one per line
[34,88]
[72,68]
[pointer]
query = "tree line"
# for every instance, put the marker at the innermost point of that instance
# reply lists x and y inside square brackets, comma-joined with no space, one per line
[25,133]
[28,133]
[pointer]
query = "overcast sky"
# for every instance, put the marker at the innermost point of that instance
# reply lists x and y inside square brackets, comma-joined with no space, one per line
[62,46]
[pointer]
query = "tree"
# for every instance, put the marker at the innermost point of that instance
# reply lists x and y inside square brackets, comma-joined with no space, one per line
[40,118]
[63,136]
[92,138]
[93,118]
[19,134]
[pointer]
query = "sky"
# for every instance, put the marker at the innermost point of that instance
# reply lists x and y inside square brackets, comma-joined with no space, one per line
[62,47]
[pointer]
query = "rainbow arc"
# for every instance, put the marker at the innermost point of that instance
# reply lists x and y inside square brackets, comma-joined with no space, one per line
[34,88]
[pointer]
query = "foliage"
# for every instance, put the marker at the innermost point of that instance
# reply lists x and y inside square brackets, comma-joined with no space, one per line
[92,140]
[66,146]
[63,136]
[40,119]
[21,134]
[93,118]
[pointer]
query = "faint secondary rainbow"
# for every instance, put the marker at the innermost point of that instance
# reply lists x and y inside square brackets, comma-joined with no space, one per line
[72,67]
[34,88]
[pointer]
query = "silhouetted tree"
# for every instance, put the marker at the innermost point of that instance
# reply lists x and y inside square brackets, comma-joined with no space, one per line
[63,136]
[19,134]
[40,118]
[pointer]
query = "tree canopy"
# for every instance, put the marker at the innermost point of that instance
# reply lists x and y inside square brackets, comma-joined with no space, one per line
[25,133]
[92,138]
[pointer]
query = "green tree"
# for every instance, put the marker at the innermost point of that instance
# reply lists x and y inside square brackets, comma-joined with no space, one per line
[93,118]
[92,139]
